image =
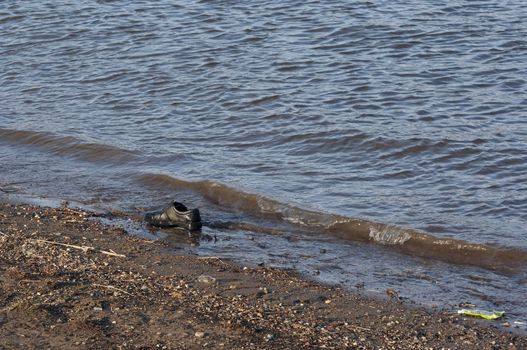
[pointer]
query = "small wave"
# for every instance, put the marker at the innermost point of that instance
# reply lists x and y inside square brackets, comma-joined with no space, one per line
[9,18]
[424,245]
[389,234]
[264,99]
[408,241]
[68,146]
[110,76]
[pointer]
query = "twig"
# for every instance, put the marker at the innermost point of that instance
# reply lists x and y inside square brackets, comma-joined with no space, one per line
[3,234]
[112,253]
[84,248]
[27,281]
[211,258]
[114,288]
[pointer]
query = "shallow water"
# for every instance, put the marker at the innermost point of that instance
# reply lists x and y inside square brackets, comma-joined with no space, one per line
[380,142]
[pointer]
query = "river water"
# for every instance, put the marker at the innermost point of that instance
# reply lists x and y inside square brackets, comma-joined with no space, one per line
[382,142]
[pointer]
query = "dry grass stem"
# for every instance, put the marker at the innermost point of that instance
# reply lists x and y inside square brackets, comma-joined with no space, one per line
[84,248]
[112,253]
[211,258]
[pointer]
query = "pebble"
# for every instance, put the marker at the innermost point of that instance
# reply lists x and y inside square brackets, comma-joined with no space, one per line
[199,334]
[206,279]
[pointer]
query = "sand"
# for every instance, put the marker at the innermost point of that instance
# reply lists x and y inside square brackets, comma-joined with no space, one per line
[69,281]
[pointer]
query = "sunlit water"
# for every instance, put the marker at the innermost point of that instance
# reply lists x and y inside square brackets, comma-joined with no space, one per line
[354,141]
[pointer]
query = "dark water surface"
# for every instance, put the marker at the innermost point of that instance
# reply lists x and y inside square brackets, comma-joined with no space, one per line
[381,142]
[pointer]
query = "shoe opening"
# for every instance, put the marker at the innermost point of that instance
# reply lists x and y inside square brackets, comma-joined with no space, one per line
[180,206]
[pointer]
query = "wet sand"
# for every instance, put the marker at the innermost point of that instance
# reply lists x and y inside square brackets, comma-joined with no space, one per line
[69,281]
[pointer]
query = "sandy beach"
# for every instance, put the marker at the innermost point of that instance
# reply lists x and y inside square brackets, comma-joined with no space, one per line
[69,281]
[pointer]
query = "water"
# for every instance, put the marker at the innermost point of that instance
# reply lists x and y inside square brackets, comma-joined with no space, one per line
[376,142]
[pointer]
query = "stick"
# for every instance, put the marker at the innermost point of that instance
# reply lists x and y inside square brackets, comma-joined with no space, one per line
[27,281]
[84,248]
[3,234]
[112,253]
[114,288]
[210,258]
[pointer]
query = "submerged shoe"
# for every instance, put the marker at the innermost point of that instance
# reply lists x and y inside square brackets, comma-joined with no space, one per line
[176,214]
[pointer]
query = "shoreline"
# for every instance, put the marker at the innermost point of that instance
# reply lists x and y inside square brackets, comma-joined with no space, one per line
[67,281]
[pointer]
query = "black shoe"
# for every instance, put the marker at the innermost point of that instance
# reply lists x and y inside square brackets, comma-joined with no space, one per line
[176,214]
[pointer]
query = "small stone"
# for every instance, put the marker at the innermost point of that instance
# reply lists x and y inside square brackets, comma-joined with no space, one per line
[206,279]
[269,336]
[199,334]
[328,301]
